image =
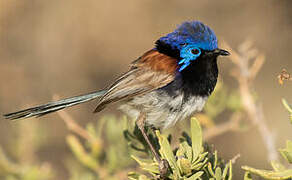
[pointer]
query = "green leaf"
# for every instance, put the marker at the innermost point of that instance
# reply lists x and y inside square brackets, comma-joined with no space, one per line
[210,170]
[224,175]
[166,152]
[188,150]
[287,152]
[185,166]
[181,151]
[197,139]
[201,157]
[147,165]
[215,159]
[196,176]
[288,107]
[135,176]
[81,154]
[230,171]
[91,131]
[247,176]
[277,166]
[199,165]
[218,173]
[269,174]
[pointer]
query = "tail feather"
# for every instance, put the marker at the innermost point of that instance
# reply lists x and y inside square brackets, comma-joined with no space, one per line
[53,106]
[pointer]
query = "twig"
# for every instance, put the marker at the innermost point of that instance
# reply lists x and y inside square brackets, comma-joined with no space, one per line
[245,74]
[234,159]
[71,124]
[76,128]
[257,65]
[230,125]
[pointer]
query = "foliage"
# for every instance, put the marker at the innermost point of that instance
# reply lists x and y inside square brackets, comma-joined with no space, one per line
[96,159]
[23,165]
[288,107]
[189,161]
[279,170]
[222,99]
[100,152]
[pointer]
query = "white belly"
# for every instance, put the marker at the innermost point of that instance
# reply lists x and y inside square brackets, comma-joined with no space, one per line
[162,110]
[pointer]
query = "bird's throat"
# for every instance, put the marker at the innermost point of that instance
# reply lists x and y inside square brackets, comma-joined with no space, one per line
[200,78]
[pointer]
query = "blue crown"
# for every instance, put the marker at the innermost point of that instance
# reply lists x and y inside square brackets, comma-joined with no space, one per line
[192,32]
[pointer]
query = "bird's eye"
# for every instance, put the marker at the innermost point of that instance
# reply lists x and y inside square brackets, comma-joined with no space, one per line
[195,51]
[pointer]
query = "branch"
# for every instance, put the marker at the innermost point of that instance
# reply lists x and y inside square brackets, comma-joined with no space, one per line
[232,124]
[245,73]
[71,124]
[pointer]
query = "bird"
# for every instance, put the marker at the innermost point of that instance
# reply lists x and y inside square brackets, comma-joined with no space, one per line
[168,83]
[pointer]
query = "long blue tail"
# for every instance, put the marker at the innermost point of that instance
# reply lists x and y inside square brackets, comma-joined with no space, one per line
[53,106]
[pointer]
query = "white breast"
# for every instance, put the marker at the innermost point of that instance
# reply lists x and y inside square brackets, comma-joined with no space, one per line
[162,110]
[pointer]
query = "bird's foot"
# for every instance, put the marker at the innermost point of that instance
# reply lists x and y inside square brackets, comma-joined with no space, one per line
[163,168]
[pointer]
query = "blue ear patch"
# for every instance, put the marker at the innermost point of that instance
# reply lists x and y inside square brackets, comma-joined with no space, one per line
[188,53]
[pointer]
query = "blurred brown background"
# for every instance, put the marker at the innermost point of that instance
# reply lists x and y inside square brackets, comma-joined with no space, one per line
[71,47]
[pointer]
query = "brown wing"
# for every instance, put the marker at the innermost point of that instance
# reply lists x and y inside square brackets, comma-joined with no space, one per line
[151,71]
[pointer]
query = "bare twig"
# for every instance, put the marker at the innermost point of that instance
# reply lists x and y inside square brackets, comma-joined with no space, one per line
[256,66]
[234,159]
[245,74]
[232,124]
[76,128]
[71,124]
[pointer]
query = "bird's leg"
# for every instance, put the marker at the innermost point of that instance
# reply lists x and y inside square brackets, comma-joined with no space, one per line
[163,164]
